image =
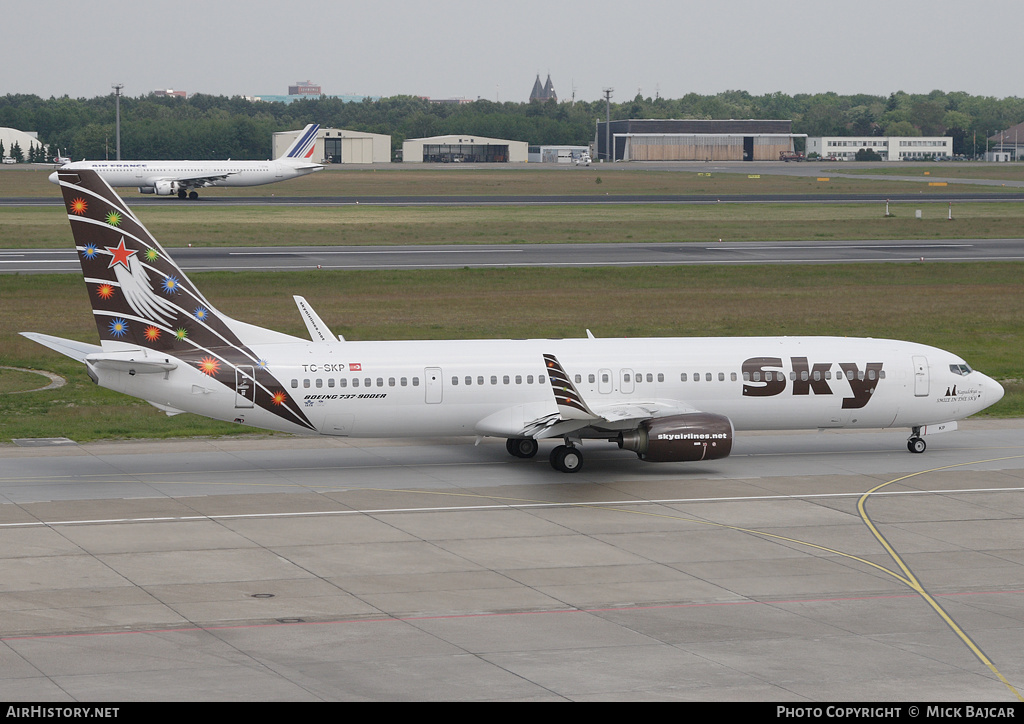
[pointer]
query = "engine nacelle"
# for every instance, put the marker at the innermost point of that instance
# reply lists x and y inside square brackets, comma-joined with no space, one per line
[165,188]
[680,438]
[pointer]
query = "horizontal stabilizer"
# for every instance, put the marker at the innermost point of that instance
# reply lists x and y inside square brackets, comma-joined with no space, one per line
[67,347]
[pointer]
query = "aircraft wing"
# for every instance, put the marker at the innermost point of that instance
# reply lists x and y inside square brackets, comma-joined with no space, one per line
[200,180]
[573,413]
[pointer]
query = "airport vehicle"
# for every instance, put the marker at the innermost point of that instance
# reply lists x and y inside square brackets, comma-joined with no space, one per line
[788,156]
[667,400]
[182,178]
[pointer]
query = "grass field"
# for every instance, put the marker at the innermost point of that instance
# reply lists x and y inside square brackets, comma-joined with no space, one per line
[47,227]
[974,310]
[458,180]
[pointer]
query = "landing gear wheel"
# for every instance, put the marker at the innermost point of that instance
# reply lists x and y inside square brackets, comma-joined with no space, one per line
[566,459]
[521,447]
[916,445]
[182,194]
[192,195]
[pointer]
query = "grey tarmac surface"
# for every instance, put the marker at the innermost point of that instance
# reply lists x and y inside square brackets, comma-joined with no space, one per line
[293,569]
[51,261]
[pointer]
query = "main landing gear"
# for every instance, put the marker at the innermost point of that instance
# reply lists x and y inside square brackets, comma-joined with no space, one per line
[191,195]
[916,443]
[565,458]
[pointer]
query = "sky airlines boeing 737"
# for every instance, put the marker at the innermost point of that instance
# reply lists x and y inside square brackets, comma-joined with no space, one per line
[667,400]
[164,178]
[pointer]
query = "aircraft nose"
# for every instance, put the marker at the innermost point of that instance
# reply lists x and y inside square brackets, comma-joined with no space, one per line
[997,389]
[53,178]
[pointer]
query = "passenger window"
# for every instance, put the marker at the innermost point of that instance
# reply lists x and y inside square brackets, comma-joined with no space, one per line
[590,378]
[505,380]
[529,379]
[519,379]
[391,381]
[295,383]
[343,382]
[721,377]
[469,380]
[305,382]
[707,376]
[682,377]
[405,382]
[355,382]
[494,379]
[415,381]
[330,382]
[480,380]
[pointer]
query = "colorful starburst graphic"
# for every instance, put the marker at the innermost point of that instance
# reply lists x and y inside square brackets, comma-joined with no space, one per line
[113,218]
[171,284]
[118,327]
[209,365]
[104,291]
[79,206]
[152,254]
[181,334]
[263,364]
[279,398]
[152,333]
[89,251]
[201,314]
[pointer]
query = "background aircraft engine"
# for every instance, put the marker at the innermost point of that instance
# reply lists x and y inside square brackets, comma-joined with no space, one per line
[165,188]
[680,438]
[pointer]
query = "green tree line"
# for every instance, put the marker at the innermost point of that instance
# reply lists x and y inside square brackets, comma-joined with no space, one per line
[216,127]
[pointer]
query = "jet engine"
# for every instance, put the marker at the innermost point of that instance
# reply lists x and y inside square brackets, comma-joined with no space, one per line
[680,438]
[165,188]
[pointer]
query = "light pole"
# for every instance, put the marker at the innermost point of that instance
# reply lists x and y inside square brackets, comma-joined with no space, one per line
[608,124]
[117,106]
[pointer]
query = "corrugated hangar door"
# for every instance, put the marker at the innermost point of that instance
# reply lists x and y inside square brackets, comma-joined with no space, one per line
[357,150]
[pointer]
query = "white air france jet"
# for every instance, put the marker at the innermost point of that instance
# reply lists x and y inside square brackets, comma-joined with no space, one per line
[667,400]
[165,178]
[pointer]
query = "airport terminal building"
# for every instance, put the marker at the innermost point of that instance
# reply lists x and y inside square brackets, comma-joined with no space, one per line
[890,148]
[693,140]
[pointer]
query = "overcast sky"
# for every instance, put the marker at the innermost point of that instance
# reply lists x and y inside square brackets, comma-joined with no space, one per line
[472,49]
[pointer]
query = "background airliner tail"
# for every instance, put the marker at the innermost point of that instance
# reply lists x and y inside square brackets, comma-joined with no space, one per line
[303,146]
[139,295]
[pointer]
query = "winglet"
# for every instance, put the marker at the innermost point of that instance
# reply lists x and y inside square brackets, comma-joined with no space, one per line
[318,330]
[571,405]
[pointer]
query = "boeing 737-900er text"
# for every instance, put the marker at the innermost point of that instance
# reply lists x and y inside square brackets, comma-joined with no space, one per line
[165,178]
[667,400]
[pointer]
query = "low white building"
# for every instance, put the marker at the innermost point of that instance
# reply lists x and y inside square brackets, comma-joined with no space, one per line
[334,145]
[464,149]
[557,154]
[890,148]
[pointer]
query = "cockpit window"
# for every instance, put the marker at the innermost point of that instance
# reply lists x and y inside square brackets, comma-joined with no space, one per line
[961,370]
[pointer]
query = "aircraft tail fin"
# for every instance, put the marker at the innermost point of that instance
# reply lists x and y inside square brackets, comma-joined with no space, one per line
[144,303]
[139,296]
[304,144]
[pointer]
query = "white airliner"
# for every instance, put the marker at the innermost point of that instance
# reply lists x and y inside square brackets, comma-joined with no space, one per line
[165,178]
[667,400]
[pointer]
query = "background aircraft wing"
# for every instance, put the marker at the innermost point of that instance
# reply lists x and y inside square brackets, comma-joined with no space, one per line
[200,180]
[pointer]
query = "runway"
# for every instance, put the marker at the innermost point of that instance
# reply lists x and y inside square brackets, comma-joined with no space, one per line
[292,569]
[30,261]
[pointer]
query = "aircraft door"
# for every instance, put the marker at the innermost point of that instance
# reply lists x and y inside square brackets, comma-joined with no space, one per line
[920,376]
[434,385]
[604,382]
[245,387]
[626,381]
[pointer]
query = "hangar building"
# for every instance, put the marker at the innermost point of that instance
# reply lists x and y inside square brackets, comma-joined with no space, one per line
[334,145]
[25,140]
[463,149]
[694,140]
